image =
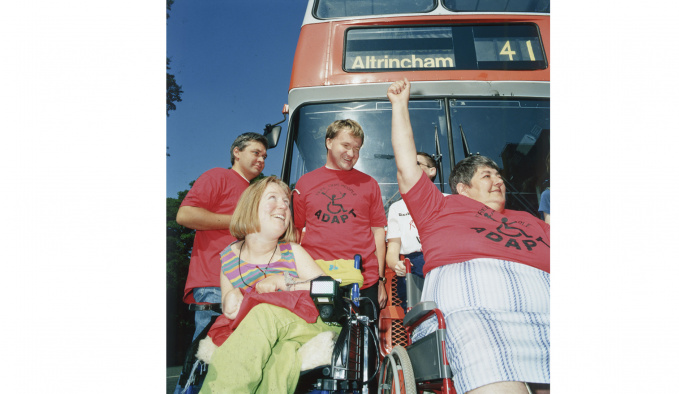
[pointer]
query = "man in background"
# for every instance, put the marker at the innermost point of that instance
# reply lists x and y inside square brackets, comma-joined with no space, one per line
[207,208]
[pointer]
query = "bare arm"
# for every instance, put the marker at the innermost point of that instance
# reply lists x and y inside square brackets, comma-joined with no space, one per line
[270,284]
[380,252]
[393,249]
[306,266]
[379,234]
[405,153]
[231,297]
[201,219]
[307,269]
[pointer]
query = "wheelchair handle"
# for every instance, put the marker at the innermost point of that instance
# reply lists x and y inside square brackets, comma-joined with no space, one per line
[355,291]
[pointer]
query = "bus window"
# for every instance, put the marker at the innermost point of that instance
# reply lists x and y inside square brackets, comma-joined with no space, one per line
[497,5]
[515,134]
[343,8]
[376,157]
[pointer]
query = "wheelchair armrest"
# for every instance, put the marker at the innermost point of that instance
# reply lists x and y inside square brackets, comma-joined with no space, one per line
[420,310]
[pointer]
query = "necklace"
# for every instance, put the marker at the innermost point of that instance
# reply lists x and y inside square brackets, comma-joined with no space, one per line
[260,270]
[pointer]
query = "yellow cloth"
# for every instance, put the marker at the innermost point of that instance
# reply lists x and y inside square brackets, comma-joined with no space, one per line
[342,269]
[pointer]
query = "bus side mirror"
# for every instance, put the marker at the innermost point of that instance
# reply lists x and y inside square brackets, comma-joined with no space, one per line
[272,134]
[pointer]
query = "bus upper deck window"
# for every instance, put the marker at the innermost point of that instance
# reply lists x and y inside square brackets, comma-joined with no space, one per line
[541,6]
[328,9]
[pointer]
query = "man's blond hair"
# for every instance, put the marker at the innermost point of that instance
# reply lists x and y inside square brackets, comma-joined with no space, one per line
[353,127]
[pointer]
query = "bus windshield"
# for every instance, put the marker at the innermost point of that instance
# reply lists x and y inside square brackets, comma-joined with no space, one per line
[514,133]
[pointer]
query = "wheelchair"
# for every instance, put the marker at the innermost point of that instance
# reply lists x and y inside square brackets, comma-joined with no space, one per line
[422,366]
[409,367]
[354,363]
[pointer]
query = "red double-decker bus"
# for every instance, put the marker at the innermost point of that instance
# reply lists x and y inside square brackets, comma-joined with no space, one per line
[480,84]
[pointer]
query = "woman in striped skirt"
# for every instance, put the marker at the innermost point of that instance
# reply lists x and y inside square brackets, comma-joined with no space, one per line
[487,267]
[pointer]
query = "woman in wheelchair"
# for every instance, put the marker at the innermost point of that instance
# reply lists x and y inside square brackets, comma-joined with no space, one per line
[261,355]
[486,267]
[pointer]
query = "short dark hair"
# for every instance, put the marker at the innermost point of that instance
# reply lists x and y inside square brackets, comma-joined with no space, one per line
[464,170]
[430,160]
[242,141]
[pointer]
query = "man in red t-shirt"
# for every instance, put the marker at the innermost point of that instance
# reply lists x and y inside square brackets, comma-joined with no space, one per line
[207,208]
[342,211]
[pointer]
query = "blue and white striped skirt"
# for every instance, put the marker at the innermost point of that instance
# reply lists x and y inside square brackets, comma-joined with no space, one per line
[497,313]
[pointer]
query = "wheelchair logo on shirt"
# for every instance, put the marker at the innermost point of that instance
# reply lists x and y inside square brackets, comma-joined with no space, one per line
[333,207]
[336,211]
[510,231]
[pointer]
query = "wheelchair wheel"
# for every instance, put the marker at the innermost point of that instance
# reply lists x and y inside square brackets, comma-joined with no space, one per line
[396,373]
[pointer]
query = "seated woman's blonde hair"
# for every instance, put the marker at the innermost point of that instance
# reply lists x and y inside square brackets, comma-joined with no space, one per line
[245,219]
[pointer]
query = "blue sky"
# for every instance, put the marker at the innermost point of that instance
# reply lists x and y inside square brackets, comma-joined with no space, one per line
[233,61]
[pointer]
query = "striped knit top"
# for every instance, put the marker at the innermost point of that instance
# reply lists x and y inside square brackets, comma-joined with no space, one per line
[244,274]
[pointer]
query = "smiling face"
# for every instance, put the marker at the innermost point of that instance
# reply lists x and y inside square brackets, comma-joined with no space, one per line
[250,161]
[343,150]
[487,187]
[274,211]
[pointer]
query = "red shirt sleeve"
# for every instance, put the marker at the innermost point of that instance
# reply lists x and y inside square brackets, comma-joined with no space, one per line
[377,216]
[203,191]
[299,209]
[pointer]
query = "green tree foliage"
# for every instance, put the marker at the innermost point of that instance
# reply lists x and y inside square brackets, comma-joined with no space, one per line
[174,91]
[180,323]
[179,242]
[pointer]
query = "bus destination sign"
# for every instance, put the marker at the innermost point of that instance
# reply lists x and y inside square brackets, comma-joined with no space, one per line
[459,47]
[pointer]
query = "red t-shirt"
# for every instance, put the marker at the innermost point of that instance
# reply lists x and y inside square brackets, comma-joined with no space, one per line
[218,191]
[338,209]
[457,228]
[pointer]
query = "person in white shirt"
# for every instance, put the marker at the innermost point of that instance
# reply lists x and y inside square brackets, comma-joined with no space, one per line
[403,241]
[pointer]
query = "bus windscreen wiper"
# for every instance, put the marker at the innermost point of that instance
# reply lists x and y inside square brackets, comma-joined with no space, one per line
[438,157]
[465,147]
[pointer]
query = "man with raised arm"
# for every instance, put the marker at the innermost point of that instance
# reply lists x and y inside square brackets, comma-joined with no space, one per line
[207,208]
[342,211]
[492,283]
